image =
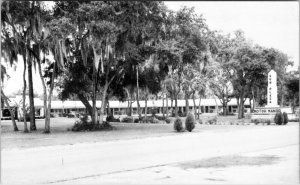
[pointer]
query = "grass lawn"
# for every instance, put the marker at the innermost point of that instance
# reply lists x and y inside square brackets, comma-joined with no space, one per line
[60,136]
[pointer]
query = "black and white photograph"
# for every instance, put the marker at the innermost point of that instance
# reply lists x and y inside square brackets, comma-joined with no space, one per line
[149,92]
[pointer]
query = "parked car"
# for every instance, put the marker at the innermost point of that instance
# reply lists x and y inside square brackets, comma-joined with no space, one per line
[73,115]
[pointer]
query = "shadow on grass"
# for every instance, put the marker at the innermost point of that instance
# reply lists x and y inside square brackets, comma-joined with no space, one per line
[233,160]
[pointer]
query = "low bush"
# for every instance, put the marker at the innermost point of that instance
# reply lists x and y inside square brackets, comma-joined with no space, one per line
[178,125]
[285,118]
[190,122]
[127,120]
[262,120]
[278,118]
[168,120]
[154,120]
[293,119]
[212,121]
[136,120]
[160,118]
[111,118]
[200,121]
[84,125]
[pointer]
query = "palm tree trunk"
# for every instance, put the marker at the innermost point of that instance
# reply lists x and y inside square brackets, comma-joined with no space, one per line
[194,102]
[282,98]
[137,93]
[31,97]
[199,107]
[163,106]
[176,107]
[12,113]
[171,105]
[44,88]
[94,116]
[167,106]
[146,108]
[24,94]
[253,97]
[47,125]
[187,106]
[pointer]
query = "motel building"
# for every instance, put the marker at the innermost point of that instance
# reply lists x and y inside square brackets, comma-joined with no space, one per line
[61,108]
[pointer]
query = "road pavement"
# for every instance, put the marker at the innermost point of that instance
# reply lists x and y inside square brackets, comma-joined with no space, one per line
[91,162]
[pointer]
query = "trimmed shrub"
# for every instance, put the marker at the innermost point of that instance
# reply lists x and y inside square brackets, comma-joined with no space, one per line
[153,111]
[178,125]
[168,120]
[136,120]
[154,120]
[278,118]
[160,118]
[255,121]
[200,121]
[212,121]
[83,125]
[190,122]
[111,118]
[285,118]
[127,120]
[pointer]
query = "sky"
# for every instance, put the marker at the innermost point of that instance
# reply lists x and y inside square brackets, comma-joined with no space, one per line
[269,24]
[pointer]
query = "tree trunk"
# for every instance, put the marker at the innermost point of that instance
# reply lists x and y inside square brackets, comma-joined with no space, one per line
[282,99]
[224,107]
[47,125]
[24,94]
[241,104]
[103,103]
[172,109]
[253,97]
[199,107]
[107,105]
[226,102]
[138,94]
[86,103]
[12,112]
[294,103]
[44,88]
[176,108]
[94,97]
[130,107]
[194,102]
[31,97]
[217,108]
[187,106]
[167,107]
[146,108]
[250,99]
[163,106]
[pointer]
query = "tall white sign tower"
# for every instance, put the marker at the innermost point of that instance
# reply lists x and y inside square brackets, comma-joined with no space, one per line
[272,89]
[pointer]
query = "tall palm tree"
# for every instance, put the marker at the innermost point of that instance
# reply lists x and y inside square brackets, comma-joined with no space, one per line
[6,100]
[21,21]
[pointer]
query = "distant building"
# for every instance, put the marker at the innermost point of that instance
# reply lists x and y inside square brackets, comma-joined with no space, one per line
[119,108]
